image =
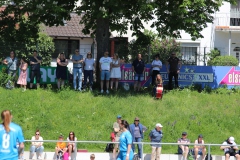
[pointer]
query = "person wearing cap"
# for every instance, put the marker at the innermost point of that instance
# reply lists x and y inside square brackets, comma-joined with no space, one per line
[155,136]
[183,148]
[137,130]
[92,156]
[199,149]
[60,146]
[117,132]
[230,149]
[173,66]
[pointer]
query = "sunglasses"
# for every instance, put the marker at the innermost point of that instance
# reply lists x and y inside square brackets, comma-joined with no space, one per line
[37,134]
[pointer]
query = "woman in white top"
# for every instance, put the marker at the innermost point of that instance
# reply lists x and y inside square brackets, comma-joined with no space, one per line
[71,146]
[156,66]
[36,145]
[89,67]
[115,72]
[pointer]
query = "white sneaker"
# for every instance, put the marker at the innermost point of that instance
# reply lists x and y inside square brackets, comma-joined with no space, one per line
[101,91]
[39,157]
[107,91]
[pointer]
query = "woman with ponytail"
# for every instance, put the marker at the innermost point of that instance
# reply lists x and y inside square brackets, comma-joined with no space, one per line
[125,143]
[10,135]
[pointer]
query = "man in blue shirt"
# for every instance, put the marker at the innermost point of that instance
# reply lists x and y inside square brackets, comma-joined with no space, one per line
[10,135]
[137,130]
[155,136]
[77,60]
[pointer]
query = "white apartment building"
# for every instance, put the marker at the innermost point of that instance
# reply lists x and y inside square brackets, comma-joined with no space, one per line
[223,34]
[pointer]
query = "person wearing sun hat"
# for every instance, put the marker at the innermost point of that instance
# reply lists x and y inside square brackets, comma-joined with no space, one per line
[116,134]
[183,148]
[155,136]
[200,149]
[230,148]
[137,129]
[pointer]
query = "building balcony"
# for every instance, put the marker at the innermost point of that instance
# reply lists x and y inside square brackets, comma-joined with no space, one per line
[227,21]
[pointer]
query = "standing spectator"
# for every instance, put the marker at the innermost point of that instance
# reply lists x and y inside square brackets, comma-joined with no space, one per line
[231,149]
[77,60]
[200,150]
[183,148]
[137,130]
[60,147]
[92,156]
[155,136]
[37,145]
[12,63]
[125,142]
[117,133]
[71,147]
[138,67]
[89,67]
[35,62]
[105,65]
[156,66]
[22,79]
[175,66]
[115,72]
[10,135]
[61,71]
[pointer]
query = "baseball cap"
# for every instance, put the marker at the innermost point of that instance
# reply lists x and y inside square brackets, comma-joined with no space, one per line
[119,116]
[158,125]
[136,119]
[184,133]
[200,136]
[231,139]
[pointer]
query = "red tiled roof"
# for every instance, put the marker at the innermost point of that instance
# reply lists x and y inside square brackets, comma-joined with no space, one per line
[71,29]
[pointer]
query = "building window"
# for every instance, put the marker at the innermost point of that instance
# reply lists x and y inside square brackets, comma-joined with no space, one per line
[189,55]
[66,46]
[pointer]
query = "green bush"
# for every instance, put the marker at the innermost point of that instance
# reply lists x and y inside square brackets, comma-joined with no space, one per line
[223,61]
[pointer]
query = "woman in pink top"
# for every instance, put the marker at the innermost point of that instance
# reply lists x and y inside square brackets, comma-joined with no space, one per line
[22,79]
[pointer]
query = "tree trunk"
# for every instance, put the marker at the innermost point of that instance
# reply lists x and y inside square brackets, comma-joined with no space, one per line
[102,38]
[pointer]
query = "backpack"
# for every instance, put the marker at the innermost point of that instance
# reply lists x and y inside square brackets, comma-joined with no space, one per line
[135,157]
[109,147]
[206,158]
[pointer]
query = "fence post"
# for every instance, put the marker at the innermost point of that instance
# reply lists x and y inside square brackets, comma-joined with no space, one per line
[208,152]
[75,151]
[149,51]
[204,56]
[142,151]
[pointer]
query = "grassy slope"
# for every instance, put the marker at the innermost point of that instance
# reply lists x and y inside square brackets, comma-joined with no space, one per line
[91,116]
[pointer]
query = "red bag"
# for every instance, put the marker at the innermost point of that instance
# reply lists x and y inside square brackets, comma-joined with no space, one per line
[112,136]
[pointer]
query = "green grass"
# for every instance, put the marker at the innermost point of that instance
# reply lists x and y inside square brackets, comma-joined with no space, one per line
[216,115]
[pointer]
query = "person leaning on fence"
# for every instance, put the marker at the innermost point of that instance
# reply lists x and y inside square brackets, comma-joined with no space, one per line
[230,149]
[137,130]
[183,148]
[36,145]
[12,64]
[199,149]
[35,62]
[117,132]
[155,136]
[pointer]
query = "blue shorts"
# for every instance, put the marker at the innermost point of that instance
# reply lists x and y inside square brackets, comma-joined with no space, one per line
[138,77]
[105,75]
[122,155]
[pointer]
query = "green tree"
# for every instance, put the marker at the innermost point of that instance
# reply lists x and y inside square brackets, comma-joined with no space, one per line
[102,16]
[215,59]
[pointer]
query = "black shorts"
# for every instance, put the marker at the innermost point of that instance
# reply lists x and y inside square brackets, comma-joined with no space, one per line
[231,154]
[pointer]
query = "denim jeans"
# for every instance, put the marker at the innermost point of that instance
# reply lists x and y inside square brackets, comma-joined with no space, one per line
[139,146]
[88,74]
[38,150]
[77,72]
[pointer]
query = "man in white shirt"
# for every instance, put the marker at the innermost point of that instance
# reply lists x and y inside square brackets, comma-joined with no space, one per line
[230,149]
[105,65]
